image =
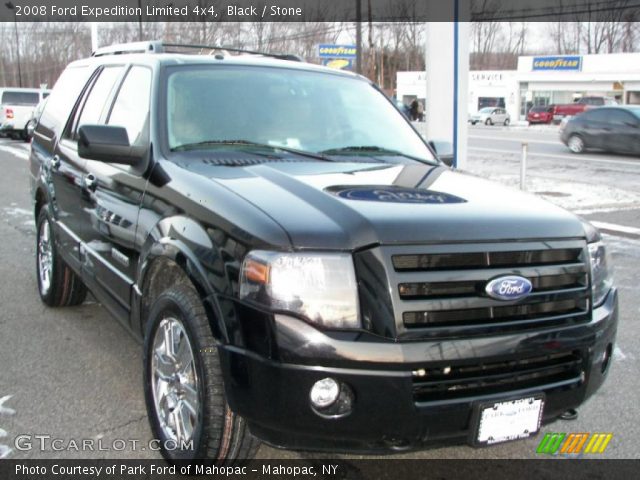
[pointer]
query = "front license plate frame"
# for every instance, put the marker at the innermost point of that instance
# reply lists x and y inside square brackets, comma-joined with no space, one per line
[498,421]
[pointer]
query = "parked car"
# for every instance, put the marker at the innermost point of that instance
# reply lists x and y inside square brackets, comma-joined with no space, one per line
[16,108]
[35,116]
[580,105]
[490,116]
[304,271]
[613,129]
[542,114]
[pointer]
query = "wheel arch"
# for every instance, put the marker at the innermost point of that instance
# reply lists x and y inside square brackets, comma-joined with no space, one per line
[166,262]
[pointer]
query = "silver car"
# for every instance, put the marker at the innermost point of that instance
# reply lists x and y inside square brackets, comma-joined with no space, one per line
[490,116]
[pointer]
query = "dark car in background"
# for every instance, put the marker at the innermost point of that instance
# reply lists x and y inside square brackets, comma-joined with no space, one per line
[541,114]
[612,129]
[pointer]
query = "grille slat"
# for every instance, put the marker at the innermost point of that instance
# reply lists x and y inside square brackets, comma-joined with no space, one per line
[443,293]
[442,383]
[447,261]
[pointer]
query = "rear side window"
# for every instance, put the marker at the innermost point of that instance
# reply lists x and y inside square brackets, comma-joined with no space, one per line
[131,107]
[62,99]
[20,98]
[95,104]
[618,117]
[598,115]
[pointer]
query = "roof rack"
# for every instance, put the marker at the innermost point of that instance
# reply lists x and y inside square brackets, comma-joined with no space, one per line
[160,47]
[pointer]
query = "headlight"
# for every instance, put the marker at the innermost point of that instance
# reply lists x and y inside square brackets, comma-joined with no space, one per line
[601,272]
[318,286]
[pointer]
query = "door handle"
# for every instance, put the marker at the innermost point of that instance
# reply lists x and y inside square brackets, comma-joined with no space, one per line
[55,162]
[90,182]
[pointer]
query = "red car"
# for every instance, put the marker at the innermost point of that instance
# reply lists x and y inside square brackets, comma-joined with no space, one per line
[540,114]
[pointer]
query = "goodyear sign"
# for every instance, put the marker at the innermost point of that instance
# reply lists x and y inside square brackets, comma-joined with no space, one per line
[338,63]
[558,63]
[326,50]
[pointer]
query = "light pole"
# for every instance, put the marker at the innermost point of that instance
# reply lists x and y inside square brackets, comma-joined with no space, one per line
[140,21]
[11,6]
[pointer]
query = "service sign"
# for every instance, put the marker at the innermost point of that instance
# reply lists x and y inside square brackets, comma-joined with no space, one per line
[558,63]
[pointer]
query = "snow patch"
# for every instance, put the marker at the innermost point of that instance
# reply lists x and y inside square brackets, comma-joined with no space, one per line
[4,451]
[6,410]
[15,211]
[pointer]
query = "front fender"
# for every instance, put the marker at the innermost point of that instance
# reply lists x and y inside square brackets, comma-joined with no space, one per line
[184,242]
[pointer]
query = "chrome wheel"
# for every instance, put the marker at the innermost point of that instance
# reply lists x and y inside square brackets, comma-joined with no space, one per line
[174,381]
[576,144]
[45,257]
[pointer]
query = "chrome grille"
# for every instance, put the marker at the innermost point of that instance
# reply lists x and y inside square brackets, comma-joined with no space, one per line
[439,290]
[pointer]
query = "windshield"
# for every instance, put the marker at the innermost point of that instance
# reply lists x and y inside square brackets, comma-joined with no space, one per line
[217,107]
[486,110]
[635,111]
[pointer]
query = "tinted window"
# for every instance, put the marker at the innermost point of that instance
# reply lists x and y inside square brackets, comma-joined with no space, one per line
[20,98]
[540,109]
[62,99]
[304,110]
[94,105]
[618,117]
[599,115]
[131,107]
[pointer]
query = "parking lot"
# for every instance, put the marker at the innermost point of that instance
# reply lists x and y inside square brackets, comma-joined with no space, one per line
[74,373]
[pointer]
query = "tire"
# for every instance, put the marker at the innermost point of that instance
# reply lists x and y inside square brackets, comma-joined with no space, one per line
[576,144]
[488,122]
[58,285]
[473,123]
[506,122]
[195,391]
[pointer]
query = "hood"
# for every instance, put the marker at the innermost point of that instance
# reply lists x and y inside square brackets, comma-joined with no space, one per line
[326,205]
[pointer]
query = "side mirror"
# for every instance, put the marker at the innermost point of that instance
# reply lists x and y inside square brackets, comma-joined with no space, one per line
[444,151]
[107,143]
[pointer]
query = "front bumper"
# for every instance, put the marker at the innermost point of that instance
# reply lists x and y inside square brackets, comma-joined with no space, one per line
[273,393]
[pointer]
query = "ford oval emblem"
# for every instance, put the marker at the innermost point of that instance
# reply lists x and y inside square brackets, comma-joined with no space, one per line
[511,287]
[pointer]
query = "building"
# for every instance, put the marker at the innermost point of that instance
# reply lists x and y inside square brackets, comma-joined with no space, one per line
[542,80]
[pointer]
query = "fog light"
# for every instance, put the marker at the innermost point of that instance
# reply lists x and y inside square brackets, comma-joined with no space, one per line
[324,392]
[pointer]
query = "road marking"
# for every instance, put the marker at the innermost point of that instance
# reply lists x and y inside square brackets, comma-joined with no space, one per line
[16,151]
[616,228]
[519,140]
[6,410]
[577,158]
[5,450]
[589,211]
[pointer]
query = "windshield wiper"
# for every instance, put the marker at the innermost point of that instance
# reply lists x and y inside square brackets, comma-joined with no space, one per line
[368,149]
[206,143]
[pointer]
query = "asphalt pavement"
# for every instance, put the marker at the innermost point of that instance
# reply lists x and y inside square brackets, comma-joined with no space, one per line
[75,374]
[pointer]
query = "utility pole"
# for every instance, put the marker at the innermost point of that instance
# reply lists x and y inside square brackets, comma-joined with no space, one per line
[140,21]
[358,36]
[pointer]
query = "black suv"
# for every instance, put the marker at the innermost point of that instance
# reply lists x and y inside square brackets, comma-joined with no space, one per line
[301,267]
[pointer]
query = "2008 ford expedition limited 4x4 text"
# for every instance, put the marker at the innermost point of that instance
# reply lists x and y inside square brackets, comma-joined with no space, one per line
[301,267]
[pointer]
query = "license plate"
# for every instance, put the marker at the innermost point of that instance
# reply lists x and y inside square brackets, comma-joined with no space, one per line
[508,420]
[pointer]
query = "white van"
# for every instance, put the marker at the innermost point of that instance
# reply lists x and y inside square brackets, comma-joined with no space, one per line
[16,107]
